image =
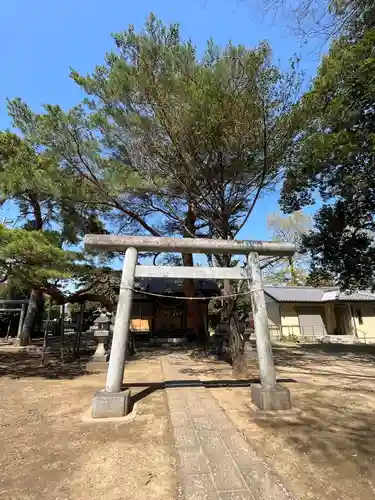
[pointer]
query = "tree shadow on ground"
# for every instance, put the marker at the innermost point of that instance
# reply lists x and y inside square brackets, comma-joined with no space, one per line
[329,430]
[323,354]
[23,364]
[26,363]
[202,371]
[145,351]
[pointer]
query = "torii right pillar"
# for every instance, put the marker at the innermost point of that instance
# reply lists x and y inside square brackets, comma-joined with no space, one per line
[268,395]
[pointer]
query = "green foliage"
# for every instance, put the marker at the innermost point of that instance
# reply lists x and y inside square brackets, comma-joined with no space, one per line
[319,277]
[29,258]
[163,133]
[28,178]
[194,131]
[327,19]
[289,229]
[47,196]
[290,338]
[334,157]
[98,280]
[56,209]
[164,143]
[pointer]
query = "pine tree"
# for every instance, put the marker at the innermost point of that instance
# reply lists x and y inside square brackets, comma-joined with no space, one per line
[173,144]
[50,204]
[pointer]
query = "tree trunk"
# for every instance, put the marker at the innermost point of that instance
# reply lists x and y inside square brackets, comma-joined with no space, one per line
[62,332]
[46,332]
[79,330]
[193,309]
[131,344]
[39,317]
[36,296]
[35,300]
[230,315]
[292,270]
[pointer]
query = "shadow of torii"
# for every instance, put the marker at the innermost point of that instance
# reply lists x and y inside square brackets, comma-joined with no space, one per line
[151,387]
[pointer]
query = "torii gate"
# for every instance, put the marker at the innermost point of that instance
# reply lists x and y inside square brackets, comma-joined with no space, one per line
[20,305]
[268,395]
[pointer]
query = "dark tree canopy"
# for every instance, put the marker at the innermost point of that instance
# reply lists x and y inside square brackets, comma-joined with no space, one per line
[334,158]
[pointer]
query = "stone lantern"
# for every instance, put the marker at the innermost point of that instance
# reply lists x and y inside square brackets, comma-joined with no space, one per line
[101,334]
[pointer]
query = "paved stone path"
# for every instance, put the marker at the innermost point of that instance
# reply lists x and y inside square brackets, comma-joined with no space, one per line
[215,461]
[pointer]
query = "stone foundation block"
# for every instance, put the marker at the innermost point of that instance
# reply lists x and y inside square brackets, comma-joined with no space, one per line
[111,404]
[276,398]
[101,358]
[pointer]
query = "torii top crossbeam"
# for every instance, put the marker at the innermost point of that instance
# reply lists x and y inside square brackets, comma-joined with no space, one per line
[107,242]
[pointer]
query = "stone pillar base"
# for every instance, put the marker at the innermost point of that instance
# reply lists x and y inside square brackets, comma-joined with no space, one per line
[111,404]
[277,398]
[101,358]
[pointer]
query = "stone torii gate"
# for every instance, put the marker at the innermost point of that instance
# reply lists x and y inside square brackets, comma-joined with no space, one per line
[16,305]
[268,395]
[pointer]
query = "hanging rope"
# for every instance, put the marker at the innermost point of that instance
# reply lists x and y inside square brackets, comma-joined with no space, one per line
[194,298]
[163,306]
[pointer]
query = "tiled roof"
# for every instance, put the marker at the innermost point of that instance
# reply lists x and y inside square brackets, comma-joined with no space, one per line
[295,293]
[359,296]
[175,286]
[312,294]
[165,286]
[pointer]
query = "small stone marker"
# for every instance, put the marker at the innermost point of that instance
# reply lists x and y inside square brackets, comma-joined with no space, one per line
[101,334]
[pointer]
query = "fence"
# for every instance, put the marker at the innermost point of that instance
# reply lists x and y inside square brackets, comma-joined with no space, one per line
[293,333]
[54,327]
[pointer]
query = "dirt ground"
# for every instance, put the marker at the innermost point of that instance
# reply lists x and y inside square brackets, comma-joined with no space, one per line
[325,447]
[47,452]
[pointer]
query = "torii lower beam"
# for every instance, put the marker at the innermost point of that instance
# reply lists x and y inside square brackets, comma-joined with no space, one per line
[268,395]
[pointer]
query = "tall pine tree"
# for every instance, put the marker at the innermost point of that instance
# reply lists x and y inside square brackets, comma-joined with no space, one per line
[174,144]
[50,204]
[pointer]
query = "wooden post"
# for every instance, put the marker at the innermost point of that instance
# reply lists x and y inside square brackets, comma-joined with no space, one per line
[79,330]
[22,319]
[46,331]
[8,329]
[62,332]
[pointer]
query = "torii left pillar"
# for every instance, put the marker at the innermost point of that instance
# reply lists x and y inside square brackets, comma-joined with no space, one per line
[114,401]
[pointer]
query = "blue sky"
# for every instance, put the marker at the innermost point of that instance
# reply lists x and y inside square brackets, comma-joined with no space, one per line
[41,39]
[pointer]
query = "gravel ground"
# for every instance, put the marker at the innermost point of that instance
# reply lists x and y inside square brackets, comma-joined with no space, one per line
[48,452]
[325,447]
